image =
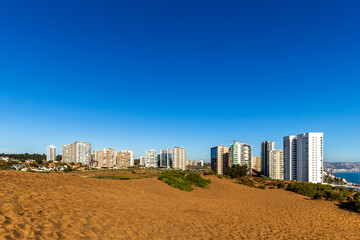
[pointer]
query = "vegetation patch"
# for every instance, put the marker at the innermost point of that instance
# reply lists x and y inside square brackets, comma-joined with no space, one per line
[210,172]
[354,203]
[236,171]
[319,191]
[115,177]
[180,180]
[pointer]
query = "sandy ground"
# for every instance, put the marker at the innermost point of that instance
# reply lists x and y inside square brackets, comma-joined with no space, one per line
[54,206]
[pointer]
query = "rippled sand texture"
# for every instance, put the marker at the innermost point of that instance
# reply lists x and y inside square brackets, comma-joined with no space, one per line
[60,206]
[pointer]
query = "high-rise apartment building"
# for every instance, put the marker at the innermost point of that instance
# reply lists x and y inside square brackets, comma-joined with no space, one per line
[179,158]
[150,158]
[125,159]
[219,159]
[240,153]
[290,158]
[105,158]
[276,164]
[50,153]
[142,161]
[165,158]
[266,147]
[256,163]
[77,152]
[303,157]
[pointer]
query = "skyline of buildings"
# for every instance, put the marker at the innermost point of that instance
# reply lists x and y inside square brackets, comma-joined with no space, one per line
[301,158]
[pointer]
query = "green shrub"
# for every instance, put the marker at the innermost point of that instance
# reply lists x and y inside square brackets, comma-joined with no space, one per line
[354,203]
[263,187]
[177,179]
[236,171]
[210,172]
[246,181]
[318,191]
[281,185]
[113,177]
[197,180]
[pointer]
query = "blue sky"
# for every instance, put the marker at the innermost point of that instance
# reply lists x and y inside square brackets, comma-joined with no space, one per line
[157,74]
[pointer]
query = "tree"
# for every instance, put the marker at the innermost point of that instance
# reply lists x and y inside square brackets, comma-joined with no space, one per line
[39,161]
[236,171]
[58,158]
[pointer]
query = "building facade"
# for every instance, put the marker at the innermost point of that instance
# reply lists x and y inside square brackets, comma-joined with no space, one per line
[151,158]
[240,153]
[105,158]
[266,147]
[165,158]
[219,159]
[179,158]
[303,157]
[290,158]
[142,161]
[77,152]
[125,159]
[276,164]
[50,153]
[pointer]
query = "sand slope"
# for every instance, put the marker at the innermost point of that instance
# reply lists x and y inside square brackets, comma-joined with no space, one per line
[54,206]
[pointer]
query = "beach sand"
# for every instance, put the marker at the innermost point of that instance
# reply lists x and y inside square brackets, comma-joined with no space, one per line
[62,206]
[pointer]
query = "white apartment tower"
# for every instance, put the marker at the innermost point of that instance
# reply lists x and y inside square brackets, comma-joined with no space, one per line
[77,152]
[240,153]
[179,158]
[50,153]
[303,157]
[142,160]
[151,158]
[276,164]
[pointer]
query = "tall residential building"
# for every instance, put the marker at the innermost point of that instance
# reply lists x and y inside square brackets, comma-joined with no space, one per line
[150,158]
[125,159]
[165,158]
[179,158]
[303,157]
[219,159]
[142,160]
[256,163]
[201,163]
[266,147]
[50,153]
[77,152]
[290,157]
[240,153]
[276,164]
[105,158]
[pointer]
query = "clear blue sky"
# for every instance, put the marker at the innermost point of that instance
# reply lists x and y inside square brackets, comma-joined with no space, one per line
[157,74]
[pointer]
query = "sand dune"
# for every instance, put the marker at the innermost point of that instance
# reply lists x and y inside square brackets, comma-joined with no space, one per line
[61,206]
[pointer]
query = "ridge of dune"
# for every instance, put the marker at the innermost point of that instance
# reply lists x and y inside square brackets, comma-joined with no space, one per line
[61,206]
